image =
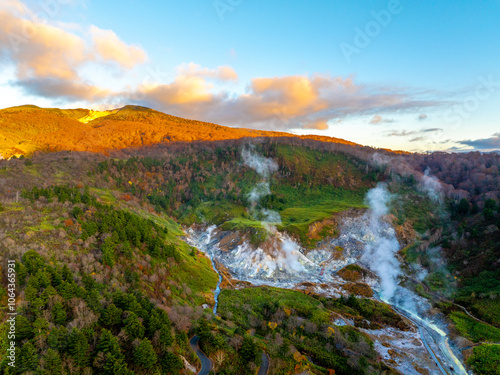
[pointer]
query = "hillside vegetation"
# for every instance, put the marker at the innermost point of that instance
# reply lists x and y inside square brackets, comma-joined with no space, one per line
[28,128]
[107,284]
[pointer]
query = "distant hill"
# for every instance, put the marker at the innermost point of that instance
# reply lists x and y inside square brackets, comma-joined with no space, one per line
[28,128]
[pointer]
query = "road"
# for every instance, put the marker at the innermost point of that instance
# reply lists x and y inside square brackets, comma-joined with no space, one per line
[264,365]
[447,363]
[206,364]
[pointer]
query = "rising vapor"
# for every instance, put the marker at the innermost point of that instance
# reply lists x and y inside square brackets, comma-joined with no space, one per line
[264,167]
[380,253]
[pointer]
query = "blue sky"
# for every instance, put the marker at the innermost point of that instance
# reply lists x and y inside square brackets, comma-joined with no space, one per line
[419,75]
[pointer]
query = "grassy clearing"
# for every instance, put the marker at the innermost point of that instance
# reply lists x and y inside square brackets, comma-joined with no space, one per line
[44,225]
[259,297]
[215,212]
[485,359]
[297,220]
[173,227]
[104,195]
[33,170]
[474,330]
[60,176]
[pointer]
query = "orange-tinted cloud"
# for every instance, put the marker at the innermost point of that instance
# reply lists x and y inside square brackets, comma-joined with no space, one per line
[185,90]
[278,103]
[40,50]
[111,48]
[223,73]
[318,125]
[379,119]
[48,59]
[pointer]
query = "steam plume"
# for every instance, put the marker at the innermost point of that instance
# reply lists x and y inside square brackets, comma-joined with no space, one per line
[264,167]
[380,253]
[431,185]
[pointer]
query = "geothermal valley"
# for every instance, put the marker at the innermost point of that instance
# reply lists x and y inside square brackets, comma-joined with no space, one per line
[367,240]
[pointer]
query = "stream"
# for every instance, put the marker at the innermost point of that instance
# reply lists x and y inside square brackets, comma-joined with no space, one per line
[445,358]
[202,243]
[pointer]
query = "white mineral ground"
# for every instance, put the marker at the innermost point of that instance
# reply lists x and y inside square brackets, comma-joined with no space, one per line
[282,263]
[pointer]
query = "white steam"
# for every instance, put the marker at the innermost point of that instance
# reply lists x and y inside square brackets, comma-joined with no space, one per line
[380,252]
[260,190]
[284,255]
[264,167]
[270,216]
[431,186]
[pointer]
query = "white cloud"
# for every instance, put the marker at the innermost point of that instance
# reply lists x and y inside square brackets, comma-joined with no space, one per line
[223,73]
[111,48]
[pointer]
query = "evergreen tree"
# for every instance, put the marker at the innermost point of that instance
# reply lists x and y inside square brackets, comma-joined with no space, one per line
[40,326]
[154,323]
[58,339]
[134,327]
[109,344]
[24,329]
[170,363]
[66,274]
[111,316]
[79,347]
[248,350]
[53,363]
[28,358]
[59,314]
[33,261]
[108,252]
[463,206]
[144,355]
[166,338]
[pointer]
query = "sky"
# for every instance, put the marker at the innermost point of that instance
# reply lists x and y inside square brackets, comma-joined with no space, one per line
[399,74]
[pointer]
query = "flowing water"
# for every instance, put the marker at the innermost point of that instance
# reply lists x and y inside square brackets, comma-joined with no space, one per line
[203,243]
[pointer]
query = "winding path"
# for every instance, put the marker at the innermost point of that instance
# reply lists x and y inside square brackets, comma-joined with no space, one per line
[206,363]
[264,365]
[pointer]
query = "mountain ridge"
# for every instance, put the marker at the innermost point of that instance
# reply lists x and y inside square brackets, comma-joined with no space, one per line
[28,128]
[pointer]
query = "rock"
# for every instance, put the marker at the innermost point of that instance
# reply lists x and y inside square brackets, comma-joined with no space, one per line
[187,365]
[359,289]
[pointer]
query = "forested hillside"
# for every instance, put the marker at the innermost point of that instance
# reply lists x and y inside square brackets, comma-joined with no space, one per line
[107,284]
[26,129]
